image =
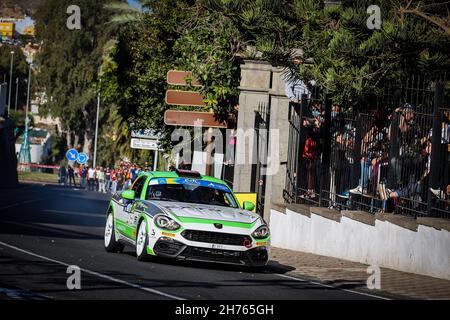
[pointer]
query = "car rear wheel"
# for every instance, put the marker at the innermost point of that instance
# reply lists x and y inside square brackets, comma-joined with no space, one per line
[142,241]
[111,243]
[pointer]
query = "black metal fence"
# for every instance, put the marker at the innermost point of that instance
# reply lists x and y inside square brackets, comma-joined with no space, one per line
[384,158]
[258,183]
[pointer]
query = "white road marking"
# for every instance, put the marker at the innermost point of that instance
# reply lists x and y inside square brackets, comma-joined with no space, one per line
[23,202]
[330,286]
[129,284]
[34,200]
[76,213]
[20,294]
[51,228]
[10,206]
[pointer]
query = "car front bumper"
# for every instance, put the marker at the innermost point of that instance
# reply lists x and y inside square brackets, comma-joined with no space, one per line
[171,248]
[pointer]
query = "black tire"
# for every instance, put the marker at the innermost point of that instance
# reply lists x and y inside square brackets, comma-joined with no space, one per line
[113,246]
[258,269]
[143,256]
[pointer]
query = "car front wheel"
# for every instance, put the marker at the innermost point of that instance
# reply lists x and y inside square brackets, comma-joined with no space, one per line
[111,244]
[142,241]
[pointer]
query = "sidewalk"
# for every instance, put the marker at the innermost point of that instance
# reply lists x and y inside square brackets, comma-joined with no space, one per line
[351,275]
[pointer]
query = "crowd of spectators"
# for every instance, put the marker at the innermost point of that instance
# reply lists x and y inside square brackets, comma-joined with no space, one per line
[101,179]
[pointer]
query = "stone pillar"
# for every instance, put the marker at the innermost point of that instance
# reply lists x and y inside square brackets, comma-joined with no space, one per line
[255,86]
[262,84]
[279,112]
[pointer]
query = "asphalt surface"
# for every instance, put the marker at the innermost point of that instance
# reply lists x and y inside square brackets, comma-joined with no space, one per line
[46,229]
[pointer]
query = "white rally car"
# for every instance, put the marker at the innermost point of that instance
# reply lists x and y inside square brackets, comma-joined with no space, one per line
[184,215]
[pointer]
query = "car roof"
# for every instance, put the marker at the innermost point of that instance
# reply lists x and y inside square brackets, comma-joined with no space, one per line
[173,174]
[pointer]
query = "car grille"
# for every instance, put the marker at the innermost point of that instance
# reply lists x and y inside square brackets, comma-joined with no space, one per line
[170,248]
[214,255]
[215,237]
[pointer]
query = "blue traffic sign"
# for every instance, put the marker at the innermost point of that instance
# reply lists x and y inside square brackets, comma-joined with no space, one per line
[82,158]
[72,155]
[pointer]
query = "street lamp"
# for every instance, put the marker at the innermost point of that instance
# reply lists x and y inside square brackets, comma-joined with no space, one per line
[17,92]
[96,120]
[24,153]
[10,80]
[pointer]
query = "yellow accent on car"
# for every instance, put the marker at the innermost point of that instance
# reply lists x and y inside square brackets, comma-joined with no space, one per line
[168,234]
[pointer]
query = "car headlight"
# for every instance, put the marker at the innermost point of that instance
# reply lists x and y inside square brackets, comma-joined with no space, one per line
[261,233]
[165,222]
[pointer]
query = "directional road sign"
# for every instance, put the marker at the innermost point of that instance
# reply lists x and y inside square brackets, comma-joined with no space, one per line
[72,155]
[192,119]
[185,98]
[175,77]
[82,158]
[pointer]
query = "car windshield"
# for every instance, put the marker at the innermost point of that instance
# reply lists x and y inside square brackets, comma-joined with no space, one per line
[192,193]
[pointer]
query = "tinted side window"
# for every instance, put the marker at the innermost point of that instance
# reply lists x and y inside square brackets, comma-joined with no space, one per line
[138,186]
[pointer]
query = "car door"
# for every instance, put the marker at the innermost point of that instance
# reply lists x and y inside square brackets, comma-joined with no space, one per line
[130,210]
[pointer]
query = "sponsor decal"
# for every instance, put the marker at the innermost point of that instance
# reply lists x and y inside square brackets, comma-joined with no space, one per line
[190,181]
[166,234]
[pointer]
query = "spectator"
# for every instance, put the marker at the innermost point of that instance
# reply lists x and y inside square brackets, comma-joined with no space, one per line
[114,181]
[62,175]
[101,180]
[107,179]
[119,180]
[91,178]
[295,88]
[71,173]
[96,179]
[310,156]
[84,174]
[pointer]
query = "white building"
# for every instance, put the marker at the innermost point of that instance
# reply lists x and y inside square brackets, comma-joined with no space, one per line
[40,145]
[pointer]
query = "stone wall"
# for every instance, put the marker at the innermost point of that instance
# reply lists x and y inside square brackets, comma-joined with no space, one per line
[401,243]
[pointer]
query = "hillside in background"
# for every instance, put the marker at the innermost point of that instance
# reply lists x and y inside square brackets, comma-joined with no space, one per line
[18,8]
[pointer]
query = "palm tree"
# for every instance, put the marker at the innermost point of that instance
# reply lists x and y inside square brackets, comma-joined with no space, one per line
[123,13]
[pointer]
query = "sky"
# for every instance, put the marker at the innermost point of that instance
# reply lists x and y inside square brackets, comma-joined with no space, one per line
[135,4]
[23,24]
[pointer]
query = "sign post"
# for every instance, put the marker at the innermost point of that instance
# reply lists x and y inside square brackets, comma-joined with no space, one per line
[147,140]
[188,118]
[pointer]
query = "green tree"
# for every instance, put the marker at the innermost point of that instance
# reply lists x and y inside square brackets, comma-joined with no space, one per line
[135,68]
[20,70]
[69,62]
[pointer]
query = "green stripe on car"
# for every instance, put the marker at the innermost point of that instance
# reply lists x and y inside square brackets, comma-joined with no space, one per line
[225,223]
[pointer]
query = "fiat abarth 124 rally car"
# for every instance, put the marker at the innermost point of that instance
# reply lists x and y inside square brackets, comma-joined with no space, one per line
[184,215]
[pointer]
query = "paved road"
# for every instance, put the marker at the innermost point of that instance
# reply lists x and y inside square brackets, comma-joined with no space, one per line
[44,229]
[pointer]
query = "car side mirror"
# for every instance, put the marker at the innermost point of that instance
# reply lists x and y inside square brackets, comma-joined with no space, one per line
[128,194]
[250,206]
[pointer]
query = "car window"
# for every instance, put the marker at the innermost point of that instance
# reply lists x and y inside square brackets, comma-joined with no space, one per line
[138,186]
[190,193]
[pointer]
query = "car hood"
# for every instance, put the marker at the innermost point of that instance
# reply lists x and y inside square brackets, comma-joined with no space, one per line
[203,211]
